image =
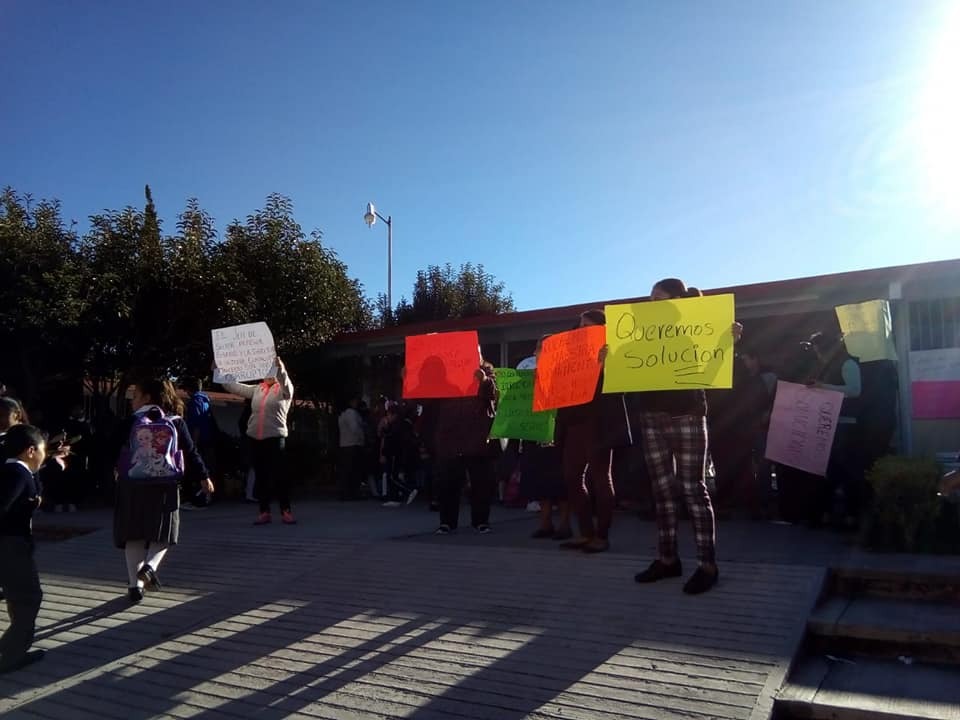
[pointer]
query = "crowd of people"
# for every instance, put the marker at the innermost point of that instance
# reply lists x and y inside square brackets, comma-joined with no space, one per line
[165,449]
[436,447]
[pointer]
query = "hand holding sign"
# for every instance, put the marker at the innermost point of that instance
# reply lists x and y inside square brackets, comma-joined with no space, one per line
[243,352]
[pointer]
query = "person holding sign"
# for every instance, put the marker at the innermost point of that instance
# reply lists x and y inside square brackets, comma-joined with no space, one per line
[267,430]
[840,371]
[674,427]
[458,429]
[541,475]
[587,435]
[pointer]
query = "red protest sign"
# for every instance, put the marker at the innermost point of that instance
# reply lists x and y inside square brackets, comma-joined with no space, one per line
[442,365]
[568,368]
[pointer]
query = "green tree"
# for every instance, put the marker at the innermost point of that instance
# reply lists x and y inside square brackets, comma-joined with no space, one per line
[443,292]
[40,306]
[269,269]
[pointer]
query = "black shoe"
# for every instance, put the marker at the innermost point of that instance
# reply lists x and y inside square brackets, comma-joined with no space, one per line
[29,659]
[148,576]
[659,570]
[565,534]
[701,581]
[542,533]
[135,594]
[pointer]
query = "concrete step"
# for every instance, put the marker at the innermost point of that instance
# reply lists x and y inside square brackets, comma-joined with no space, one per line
[885,627]
[821,688]
[934,578]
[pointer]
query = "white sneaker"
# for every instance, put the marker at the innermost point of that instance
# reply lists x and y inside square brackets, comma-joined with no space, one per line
[412,496]
[533,506]
[392,503]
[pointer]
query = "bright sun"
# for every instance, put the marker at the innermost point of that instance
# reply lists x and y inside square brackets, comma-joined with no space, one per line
[938,121]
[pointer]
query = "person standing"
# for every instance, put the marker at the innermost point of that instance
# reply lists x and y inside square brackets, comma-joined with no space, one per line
[20,496]
[674,427]
[459,429]
[839,371]
[202,427]
[155,453]
[267,429]
[352,441]
[587,435]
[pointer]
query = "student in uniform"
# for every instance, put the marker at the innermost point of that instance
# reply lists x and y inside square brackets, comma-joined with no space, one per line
[26,448]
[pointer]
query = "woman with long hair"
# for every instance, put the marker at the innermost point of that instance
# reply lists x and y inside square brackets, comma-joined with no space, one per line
[155,454]
[674,428]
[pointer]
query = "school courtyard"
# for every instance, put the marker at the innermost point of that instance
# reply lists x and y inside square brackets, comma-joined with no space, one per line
[359,612]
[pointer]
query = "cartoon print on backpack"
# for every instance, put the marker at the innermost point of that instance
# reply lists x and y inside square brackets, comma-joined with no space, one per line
[152,450]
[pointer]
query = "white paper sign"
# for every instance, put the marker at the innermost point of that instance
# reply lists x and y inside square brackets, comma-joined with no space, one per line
[935,365]
[802,426]
[243,352]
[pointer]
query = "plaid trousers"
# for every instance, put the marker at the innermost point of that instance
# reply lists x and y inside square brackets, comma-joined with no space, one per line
[682,442]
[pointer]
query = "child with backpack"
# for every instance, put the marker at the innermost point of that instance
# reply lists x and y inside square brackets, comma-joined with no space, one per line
[156,456]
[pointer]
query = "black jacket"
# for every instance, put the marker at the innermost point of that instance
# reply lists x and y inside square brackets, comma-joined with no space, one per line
[19,497]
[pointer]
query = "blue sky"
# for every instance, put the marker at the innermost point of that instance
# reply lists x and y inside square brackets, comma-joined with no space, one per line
[580,150]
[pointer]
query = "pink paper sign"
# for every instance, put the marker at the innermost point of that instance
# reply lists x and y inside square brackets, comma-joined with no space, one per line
[802,427]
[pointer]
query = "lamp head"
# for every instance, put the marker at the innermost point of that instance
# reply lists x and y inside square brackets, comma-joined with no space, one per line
[370,216]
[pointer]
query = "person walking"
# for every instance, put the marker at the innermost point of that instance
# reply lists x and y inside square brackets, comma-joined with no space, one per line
[155,454]
[25,447]
[267,429]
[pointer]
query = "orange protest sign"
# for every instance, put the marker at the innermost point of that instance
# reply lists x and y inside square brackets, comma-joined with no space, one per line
[568,368]
[442,365]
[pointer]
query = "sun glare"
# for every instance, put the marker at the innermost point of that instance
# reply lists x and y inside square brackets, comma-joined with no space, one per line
[938,121]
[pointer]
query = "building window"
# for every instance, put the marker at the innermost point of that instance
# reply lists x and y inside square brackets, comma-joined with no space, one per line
[935,324]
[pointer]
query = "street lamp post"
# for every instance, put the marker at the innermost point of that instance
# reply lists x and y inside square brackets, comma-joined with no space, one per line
[370,218]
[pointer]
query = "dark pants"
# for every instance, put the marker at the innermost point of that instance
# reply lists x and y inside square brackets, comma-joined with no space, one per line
[272,479]
[21,587]
[450,475]
[844,472]
[588,477]
[350,472]
[732,454]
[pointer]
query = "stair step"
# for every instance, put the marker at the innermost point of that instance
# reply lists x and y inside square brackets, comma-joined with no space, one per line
[887,620]
[869,689]
[920,578]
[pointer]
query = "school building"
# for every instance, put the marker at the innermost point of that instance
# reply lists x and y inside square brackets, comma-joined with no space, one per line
[925,310]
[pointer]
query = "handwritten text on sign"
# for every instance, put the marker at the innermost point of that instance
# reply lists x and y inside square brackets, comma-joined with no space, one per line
[568,368]
[802,426]
[442,365]
[670,345]
[515,418]
[243,352]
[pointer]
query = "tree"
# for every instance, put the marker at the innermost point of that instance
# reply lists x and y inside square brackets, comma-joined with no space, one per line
[442,292]
[125,295]
[269,269]
[40,307]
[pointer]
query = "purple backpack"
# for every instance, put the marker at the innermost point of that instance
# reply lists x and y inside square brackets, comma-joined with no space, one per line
[152,454]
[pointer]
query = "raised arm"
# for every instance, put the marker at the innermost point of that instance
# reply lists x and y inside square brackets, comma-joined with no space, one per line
[285,382]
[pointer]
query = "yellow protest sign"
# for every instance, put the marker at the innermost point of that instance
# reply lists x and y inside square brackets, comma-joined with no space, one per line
[669,345]
[867,330]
